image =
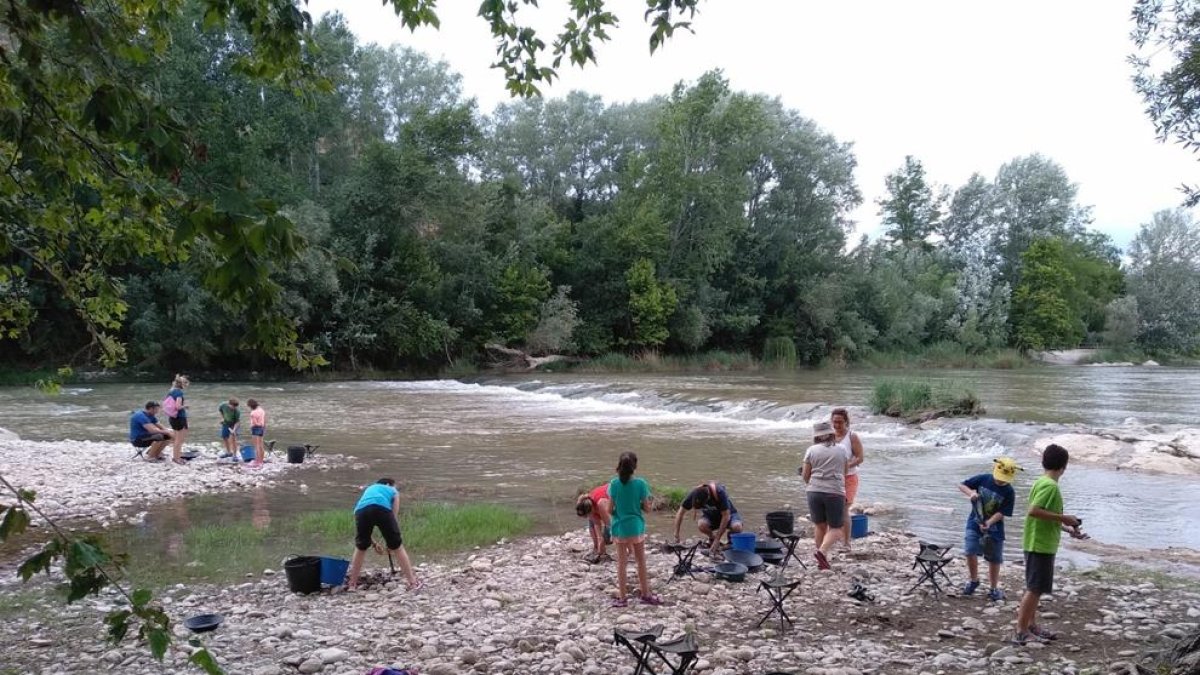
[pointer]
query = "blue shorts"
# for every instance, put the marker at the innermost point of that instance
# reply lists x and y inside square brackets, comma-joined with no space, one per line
[256,431]
[713,518]
[973,546]
[227,431]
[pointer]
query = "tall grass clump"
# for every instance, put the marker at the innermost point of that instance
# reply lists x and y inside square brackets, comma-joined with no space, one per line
[780,352]
[668,498]
[918,400]
[944,355]
[438,528]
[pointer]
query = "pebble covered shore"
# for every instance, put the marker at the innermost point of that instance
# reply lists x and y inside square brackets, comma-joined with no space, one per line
[533,606]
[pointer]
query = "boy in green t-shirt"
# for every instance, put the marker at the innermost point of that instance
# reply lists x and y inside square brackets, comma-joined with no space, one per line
[1044,524]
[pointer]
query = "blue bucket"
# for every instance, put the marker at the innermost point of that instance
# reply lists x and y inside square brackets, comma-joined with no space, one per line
[858,526]
[333,571]
[743,541]
[247,453]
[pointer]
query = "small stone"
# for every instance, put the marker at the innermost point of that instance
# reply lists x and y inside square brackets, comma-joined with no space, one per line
[333,655]
[312,665]
[468,656]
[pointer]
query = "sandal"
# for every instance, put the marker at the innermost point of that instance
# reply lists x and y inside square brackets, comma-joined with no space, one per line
[180,462]
[416,587]
[619,602]
[652,600]
[1042,634]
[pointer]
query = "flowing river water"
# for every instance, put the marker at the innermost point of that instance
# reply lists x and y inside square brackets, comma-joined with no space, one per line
[533,441]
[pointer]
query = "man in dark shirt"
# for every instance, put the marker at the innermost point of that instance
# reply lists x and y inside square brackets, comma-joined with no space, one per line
[717,514]
[146,432]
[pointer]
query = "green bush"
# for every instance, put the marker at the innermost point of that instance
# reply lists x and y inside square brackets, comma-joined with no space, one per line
[669,498]
[922,399]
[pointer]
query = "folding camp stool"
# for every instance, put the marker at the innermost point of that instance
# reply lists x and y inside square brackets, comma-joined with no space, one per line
[789,542]
[932,559]
[638,644]
[684,555]
[778,589]
[683,649]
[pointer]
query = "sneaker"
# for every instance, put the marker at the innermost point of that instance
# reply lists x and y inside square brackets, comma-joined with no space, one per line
[969,587]
[1042,634]
[652,600]
[996,595]
[822,561]
[1020,639]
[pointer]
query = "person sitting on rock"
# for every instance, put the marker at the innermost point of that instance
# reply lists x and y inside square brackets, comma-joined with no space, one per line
[146,432]
[716,513]
[594,506]
[378,507]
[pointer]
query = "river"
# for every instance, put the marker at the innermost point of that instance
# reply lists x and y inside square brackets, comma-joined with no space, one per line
[533,441]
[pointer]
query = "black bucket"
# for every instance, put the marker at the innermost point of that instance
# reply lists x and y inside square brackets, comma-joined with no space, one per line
[303,573]
[782,522]
[296,454]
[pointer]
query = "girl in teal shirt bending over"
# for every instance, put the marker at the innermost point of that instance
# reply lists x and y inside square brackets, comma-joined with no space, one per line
[629,500]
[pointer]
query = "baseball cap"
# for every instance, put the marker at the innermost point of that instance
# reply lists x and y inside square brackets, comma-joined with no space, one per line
[1005,469]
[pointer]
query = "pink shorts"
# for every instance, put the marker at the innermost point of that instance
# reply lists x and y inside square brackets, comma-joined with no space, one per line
[851,487]
[629,540]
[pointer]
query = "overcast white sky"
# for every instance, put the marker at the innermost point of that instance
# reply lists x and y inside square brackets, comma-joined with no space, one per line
[963,86]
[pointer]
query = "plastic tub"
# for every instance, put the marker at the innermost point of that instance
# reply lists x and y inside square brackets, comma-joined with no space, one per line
[858,526]
[782,522]
[303,573]
[247,453]
[743,541]
[296,454]
[333,571]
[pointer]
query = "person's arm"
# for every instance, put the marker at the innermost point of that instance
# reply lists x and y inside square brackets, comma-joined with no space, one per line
[1062,518]
[725,517]
[396,503]
[678,521]
[967,491]
[856,449]
[806,472]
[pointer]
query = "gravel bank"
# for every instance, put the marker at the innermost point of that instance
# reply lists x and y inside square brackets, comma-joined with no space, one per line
[532,606]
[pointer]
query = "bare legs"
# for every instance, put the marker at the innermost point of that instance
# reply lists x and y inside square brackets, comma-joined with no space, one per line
[401,554]
[638,550]
[177,445]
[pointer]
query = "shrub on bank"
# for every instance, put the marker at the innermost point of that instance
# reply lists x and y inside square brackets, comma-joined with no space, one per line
[918,400]
[945,355]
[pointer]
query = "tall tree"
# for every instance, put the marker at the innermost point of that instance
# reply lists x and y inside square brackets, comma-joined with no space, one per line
[912,210]
[1042,315]
[1164,276]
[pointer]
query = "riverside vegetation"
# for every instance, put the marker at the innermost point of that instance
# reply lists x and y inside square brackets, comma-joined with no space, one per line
[921,400]
[380,220]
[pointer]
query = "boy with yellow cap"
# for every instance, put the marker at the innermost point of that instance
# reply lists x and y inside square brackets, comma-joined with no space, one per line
[992,499]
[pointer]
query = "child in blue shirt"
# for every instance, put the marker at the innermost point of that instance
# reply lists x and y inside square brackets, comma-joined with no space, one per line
[992,499]
[378,507]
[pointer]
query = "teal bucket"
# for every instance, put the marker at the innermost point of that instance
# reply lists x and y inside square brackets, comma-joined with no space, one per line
[743,541]
[333,571]
[247,453]
[858,526]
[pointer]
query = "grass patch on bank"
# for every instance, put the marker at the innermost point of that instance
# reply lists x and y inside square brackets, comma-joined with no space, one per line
[1125,355]
[670,498]
[226,553]
[944,355]
[915,399]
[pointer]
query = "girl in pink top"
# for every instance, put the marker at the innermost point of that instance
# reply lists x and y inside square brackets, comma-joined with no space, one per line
[258,427]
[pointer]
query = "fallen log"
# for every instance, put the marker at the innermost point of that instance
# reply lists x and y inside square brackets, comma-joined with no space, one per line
[508,358]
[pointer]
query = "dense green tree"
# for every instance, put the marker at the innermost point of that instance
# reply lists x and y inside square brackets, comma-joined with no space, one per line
[912,209]
[651,303]
[1164,276]
[1042,315]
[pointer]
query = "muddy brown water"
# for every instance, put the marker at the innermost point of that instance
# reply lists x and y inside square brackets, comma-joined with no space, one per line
[532,441]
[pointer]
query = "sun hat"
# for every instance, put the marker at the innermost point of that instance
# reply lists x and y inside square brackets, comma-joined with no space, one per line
[1005,469]
[821,430]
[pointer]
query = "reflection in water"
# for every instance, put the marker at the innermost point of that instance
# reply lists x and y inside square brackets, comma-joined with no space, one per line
[531,442]
[178,526]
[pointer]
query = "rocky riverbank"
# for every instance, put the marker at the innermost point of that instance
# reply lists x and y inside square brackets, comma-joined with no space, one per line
[533,606]
[103,482]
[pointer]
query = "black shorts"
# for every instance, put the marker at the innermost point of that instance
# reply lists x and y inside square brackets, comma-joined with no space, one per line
[1039,572]
[147,441]
[827,508]
[367,519]
[178,423]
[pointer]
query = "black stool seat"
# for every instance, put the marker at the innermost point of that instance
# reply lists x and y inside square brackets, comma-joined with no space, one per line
[789,541]
[932,560]
[684,556]
[778,589]
[678,655]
